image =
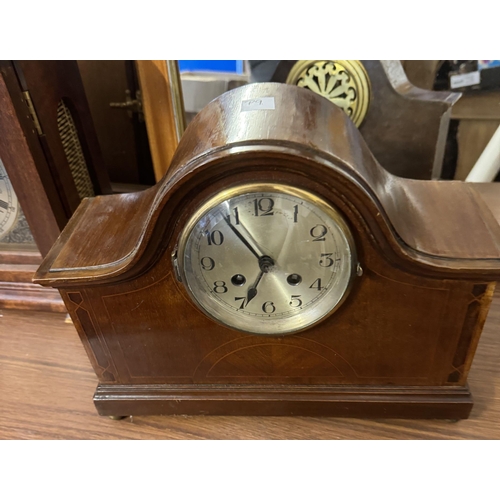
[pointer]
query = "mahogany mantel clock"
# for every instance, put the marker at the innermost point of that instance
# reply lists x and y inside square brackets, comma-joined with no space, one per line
[278,269]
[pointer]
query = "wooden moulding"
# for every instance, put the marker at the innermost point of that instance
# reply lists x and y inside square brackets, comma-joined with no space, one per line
[16,289]
[333,401]
[29,297]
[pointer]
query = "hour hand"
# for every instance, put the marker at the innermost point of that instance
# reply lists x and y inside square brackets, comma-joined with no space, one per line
[252,291]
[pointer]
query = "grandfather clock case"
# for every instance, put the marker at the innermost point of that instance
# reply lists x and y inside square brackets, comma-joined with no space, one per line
[399,344]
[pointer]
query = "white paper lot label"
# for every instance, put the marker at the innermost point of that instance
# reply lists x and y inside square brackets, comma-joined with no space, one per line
[256,104]
[465,80]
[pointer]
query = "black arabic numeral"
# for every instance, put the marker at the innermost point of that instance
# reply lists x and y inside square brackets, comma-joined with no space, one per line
[295,213]
[267,305]
[318,232]
[207,263]
[318,286]
[4,205]
[264,205]
[220,285]
[328,261]
[236,216]
[243,299]
[215,237]
[295,298]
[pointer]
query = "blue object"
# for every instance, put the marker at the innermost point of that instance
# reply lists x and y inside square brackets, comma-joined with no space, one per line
[224,66]
[488,64]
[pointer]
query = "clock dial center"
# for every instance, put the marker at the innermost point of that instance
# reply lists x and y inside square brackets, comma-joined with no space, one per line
[266,264]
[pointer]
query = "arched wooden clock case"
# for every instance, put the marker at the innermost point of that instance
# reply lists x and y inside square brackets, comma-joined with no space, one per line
[400,345]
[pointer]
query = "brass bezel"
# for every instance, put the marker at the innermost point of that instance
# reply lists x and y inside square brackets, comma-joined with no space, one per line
[258,188]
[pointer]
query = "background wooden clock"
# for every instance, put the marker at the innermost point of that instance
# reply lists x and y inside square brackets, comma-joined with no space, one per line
[188,296]
[405,127]
[50,160]
[13,226]
[19,256]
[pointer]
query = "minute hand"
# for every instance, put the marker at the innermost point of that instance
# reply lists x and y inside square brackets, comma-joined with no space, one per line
[252,248]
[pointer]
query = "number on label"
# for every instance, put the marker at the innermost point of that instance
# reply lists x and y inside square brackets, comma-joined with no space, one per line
[207,263]
[215,237]
[220,287]
[263,206]
[318,232]
[268,307]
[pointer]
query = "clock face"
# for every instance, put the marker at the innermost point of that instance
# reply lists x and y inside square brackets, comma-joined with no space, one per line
[9,206]
[267,259]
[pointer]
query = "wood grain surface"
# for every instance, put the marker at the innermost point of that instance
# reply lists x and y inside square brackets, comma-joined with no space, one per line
[47,384]
[163,110]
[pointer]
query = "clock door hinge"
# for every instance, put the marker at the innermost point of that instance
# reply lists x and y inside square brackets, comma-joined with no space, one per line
[32,111]
[131,105]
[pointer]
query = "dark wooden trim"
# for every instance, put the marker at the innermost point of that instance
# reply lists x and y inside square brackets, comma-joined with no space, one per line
[49,83]
[35,158]
[16,289]
[334,401]
[25,163]
[17,272]
[27,296]
[24,257]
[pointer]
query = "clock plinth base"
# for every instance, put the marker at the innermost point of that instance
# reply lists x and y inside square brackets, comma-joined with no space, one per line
[16,289]
[452,402]
[25,296]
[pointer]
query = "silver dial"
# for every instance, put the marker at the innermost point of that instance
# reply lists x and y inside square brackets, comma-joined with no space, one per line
[9,206]
[267,259]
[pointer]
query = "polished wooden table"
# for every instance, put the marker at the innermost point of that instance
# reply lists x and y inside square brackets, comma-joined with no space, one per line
[47,384]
